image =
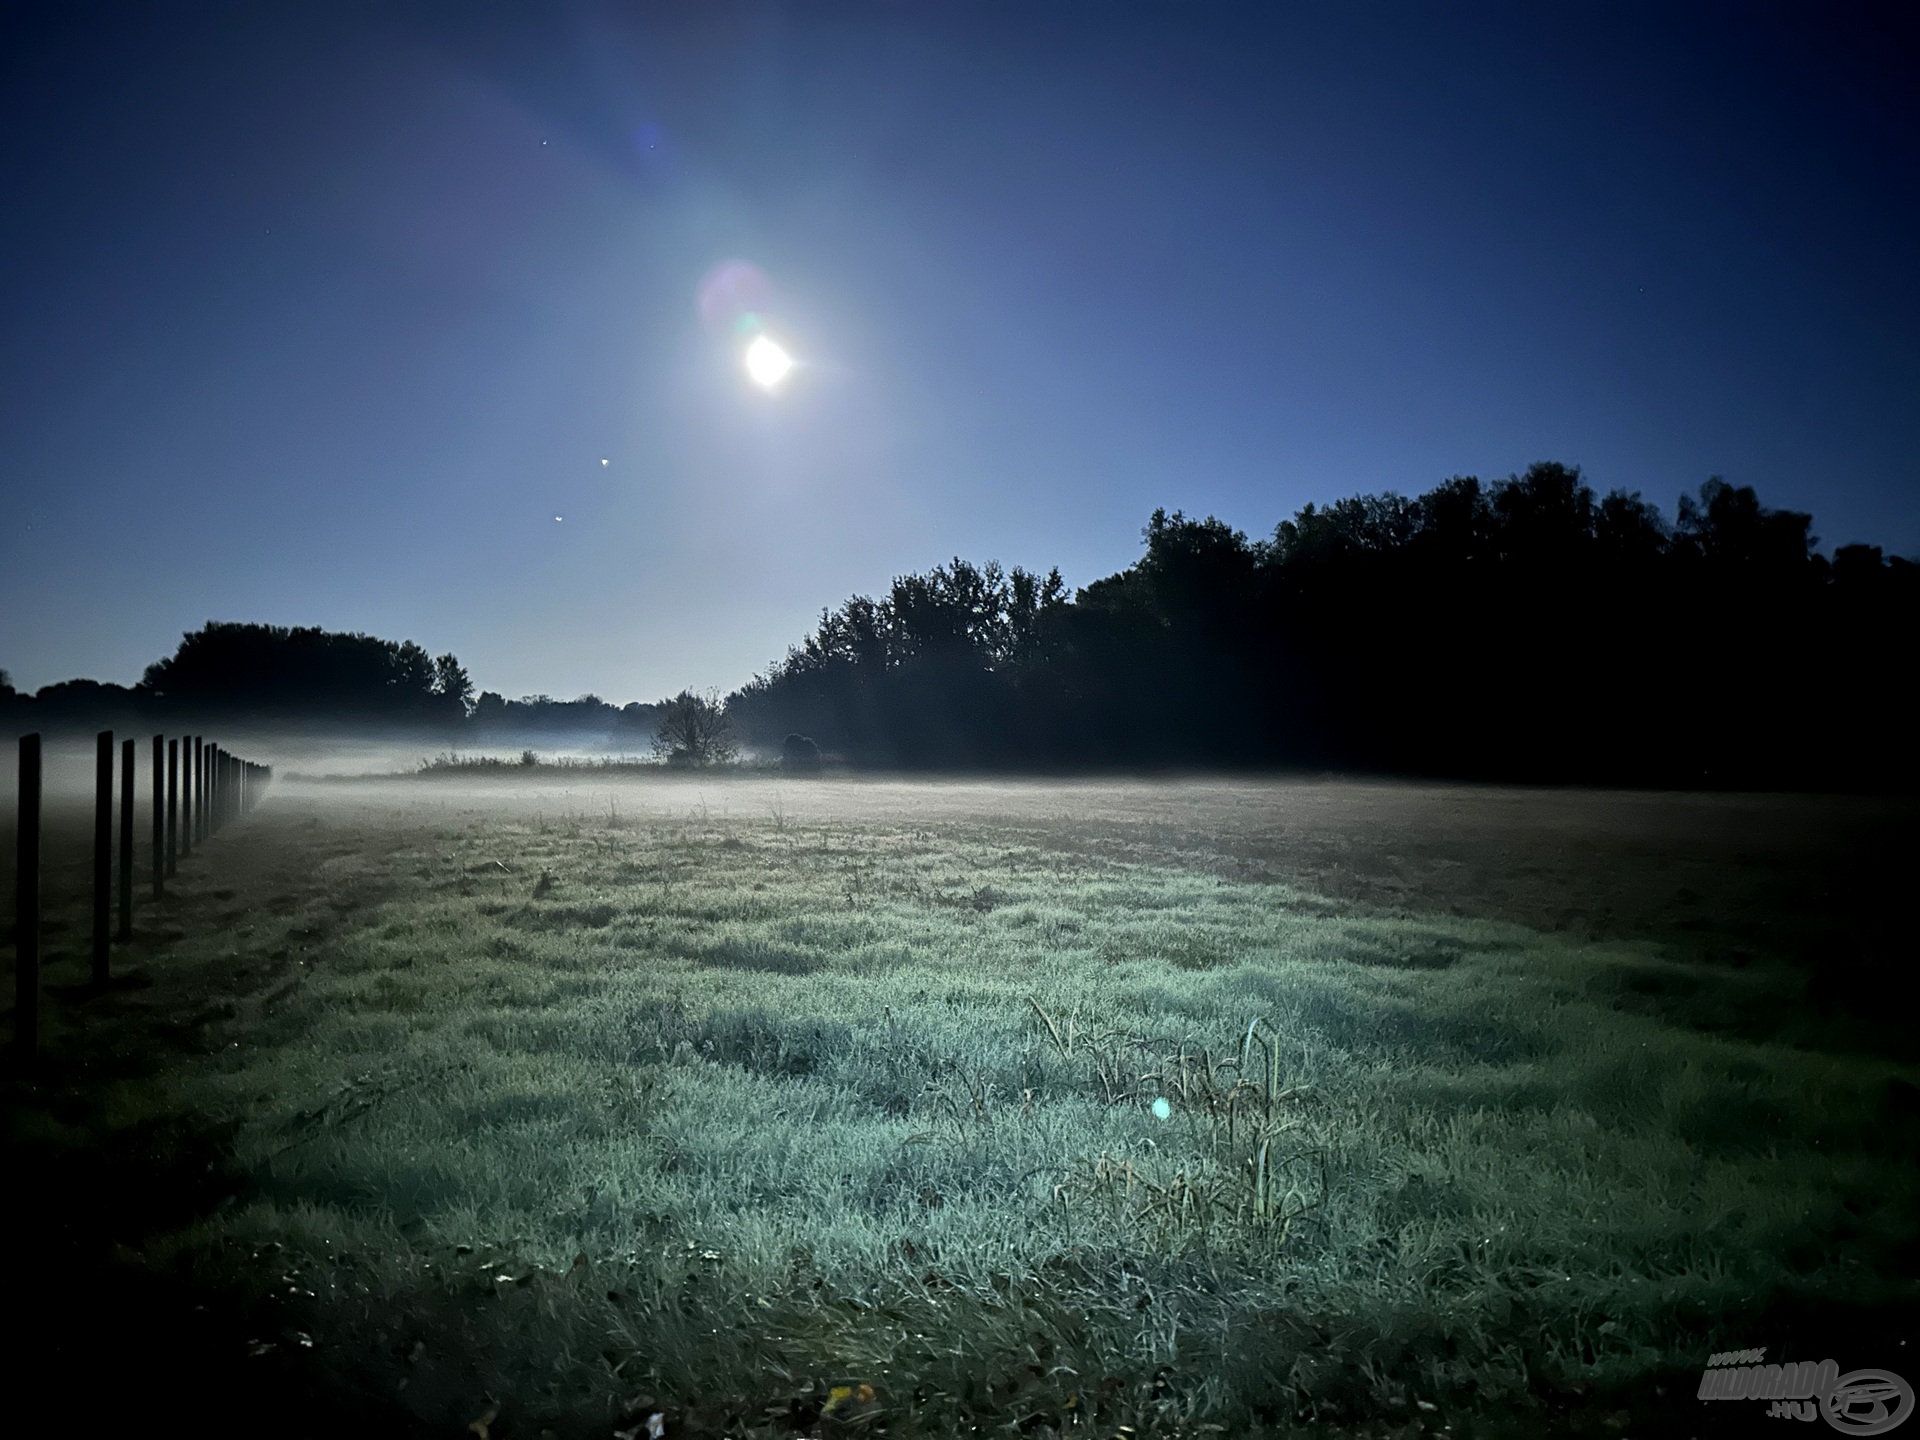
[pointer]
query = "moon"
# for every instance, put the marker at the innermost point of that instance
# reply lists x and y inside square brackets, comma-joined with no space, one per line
[767,363]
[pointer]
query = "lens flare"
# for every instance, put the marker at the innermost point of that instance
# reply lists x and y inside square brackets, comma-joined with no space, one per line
[731,291]
[767,363]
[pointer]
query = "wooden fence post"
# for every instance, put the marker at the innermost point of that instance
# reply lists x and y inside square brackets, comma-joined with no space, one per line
[26,892]
[159,817]
[102,849]
[200,769]
[173,807]
[126,839]
[193,799]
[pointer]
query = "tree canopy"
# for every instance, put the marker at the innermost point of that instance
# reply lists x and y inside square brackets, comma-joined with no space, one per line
[1526,628]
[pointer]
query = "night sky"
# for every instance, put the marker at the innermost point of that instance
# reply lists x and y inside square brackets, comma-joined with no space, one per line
[321,314]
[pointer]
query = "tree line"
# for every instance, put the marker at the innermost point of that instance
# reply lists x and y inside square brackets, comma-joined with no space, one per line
[309,677]
[1523,629]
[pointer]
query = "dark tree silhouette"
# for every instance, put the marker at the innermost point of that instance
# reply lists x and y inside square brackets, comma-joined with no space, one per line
[452,687]
[1522,629]
[799,752]
[310,673]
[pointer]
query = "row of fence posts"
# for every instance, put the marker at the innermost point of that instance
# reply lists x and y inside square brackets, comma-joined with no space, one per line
[205,787]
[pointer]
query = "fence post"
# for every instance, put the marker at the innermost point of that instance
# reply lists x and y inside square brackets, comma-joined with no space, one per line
[126,839]
[102,849]
[26,925]
[173,807]
[189,791]
[199,744]
[212,761]
[159,818]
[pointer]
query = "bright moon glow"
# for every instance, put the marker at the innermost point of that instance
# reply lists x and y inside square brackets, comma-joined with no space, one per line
[767,363]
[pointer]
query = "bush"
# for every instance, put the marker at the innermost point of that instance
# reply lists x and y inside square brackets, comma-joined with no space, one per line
[798,752]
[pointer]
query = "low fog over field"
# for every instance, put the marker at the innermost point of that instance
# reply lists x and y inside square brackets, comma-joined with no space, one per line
[1811,877]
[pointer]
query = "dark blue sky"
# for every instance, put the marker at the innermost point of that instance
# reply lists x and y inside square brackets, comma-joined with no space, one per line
[320,315]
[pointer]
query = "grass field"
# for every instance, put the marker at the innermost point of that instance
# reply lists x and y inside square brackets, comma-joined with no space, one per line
[552,1104]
